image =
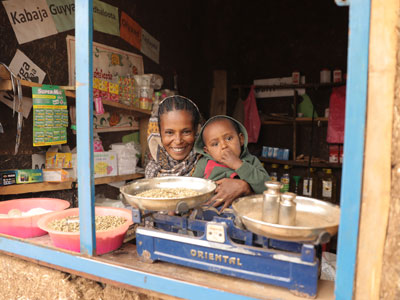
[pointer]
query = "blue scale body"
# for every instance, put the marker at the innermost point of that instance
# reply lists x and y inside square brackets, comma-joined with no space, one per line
[214,243]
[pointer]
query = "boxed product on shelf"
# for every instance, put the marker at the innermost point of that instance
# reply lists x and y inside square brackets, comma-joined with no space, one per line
[127,157]
[29,176]
[274,152]
[58,160]
[55,175]
[8,177]
[105,164]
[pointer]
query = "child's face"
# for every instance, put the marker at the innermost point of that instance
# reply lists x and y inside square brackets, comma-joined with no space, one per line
[177,133]
[221,136]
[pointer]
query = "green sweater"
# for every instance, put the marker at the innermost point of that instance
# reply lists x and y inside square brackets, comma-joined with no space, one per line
[250,171]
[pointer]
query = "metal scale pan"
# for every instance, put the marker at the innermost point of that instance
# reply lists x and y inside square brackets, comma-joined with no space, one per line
[206,188]
[316,220]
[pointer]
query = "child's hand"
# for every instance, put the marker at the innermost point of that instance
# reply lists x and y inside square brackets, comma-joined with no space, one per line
[229,159]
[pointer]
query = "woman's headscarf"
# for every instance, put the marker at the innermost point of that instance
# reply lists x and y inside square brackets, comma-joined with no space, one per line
[159,162]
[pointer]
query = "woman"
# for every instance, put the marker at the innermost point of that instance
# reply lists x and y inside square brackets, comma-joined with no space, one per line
[171,150]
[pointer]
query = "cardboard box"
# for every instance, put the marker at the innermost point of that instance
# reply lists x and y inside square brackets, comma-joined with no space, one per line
[57,160]
[105,164]
[8,177]
[55,175]
[29,176]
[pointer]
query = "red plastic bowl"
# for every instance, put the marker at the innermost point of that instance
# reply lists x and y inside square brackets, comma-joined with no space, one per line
[26,227]
[106,241]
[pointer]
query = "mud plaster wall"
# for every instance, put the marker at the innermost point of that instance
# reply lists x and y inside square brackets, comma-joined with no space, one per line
[390,284]
[20,279]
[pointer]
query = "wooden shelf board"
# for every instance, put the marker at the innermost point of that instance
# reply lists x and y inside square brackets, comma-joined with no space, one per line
[57,186]
[301,163]
[297,120]
[115,129]
[109,179]
[291,86]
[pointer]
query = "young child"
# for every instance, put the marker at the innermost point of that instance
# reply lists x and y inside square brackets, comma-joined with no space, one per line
[223,144]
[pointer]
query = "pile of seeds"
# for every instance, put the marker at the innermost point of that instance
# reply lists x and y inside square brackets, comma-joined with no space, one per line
[168,193]
[71,223]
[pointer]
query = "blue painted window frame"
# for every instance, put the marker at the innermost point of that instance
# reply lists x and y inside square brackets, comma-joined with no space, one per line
[351,186]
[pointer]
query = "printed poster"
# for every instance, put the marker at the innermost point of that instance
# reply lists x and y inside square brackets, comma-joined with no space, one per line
[30,19]
[63,13]
[108,62]
[24,68]
[105,18]
[50,115]
[130,31]
[150,46]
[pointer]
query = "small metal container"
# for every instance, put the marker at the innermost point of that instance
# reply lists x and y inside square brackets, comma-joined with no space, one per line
[270,208]
[287,209]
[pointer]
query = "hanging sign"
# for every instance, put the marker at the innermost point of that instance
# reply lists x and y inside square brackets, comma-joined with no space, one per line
[63,13]
[130,31]
[30,19]
[108,62]
[50,115]
[105,18]
[150,46]
[26,69]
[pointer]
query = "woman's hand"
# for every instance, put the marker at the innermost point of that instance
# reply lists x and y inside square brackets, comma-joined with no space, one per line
[228,190]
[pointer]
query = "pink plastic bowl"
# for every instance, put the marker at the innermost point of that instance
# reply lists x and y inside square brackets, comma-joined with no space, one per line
[106,241]
[26,227]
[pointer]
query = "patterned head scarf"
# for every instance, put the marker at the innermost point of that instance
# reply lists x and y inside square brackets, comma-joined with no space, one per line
[159,162]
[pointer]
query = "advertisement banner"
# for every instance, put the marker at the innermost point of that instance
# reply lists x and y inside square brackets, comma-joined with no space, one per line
[50,115]
[105,18]
[63,13]
[150,46]
[108,62]
[30,19]
[130,31]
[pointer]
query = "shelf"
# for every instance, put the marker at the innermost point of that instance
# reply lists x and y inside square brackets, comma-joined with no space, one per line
[300,163]
[291,86]
[297,120]
[5,84]
[57,186]
[115,129]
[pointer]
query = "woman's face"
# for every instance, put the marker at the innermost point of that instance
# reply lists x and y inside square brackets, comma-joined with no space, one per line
[177,133]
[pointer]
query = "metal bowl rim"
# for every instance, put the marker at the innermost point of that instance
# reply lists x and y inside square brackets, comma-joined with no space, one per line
[294,228]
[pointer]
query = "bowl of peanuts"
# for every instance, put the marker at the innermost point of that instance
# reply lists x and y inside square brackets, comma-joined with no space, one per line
[64,228]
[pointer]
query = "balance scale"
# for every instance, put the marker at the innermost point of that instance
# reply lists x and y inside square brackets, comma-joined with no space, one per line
[236,242]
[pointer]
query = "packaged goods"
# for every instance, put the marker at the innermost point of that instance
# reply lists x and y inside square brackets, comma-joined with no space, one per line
[328,186]
[127,157]
[274,172]
[285,179]
[55,175]
[310,184]
[105,164]
[29,176]
[8,177]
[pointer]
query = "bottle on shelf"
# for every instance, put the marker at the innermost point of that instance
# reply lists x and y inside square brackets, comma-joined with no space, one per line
[296,180]
[285,179]
[310,184]
[274,172]
[328,186]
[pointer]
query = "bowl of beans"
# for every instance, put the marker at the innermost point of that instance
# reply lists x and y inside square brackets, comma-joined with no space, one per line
[170,193]
[111,226]
[19,217]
